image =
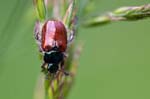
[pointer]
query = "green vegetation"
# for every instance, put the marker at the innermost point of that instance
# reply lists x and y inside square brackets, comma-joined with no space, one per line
[114,63]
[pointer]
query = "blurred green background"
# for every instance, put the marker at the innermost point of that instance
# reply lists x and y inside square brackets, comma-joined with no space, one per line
[114,63]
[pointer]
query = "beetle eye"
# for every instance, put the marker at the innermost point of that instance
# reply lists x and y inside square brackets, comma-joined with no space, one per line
[53,57]
[52,68]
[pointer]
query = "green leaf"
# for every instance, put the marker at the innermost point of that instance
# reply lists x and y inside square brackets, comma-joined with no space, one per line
[68,14]
[40,9]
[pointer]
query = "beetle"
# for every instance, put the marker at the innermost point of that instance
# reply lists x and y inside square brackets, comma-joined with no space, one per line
[52,40]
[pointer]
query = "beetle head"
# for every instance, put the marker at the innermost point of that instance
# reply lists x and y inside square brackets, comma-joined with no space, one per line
[52,68]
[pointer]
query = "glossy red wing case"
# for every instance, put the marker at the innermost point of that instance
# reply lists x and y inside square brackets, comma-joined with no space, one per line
[54,34]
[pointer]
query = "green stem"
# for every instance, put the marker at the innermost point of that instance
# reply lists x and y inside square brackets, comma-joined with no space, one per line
[47,84]
[40,9]
[122,14]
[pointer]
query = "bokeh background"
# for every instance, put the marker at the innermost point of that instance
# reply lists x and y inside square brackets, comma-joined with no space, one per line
[114,63]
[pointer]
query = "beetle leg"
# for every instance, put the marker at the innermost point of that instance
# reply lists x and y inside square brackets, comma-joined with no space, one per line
[37,31]
[62,69]
[65,55]
[43,66]
[62,64]
[37,34]
[64,72]
[72,29]
[71,36]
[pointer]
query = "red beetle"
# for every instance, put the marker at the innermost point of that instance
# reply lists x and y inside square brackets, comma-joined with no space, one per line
[54,34]
[52,41]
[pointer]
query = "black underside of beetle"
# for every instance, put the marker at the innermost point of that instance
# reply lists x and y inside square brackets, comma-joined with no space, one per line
[53,58]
